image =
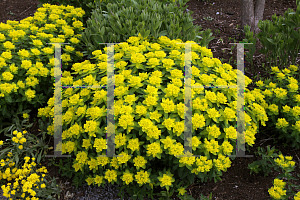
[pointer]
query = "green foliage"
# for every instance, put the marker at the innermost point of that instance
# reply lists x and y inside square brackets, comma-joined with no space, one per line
[34,146]
[252,47]
[278,163]
[281,38]
[116,22]
[267,163]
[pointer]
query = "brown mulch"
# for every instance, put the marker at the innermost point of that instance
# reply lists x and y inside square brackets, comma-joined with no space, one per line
[237,183]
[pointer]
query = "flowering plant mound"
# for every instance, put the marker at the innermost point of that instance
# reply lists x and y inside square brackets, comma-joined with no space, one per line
[25,180]
[283,98]
[149,117]
[26,60]
[277,191]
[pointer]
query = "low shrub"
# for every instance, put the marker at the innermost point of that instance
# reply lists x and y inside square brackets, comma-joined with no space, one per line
[109,23]
[26,60]
[86,5]
[282,95]
[149,113]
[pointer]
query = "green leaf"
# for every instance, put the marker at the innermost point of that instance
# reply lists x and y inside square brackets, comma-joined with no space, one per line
[17,159]
[191,178]
[270,40]
[8,99]
[39,157]
[163,33]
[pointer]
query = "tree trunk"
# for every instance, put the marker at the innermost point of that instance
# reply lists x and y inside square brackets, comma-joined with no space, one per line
[259,13]
[250,16]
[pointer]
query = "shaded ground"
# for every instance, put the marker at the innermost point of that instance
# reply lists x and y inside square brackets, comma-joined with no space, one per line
[236,183]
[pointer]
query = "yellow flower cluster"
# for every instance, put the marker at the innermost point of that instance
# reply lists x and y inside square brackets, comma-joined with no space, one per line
[284,164]
[50,24]
[26,182]
[166,180]
[144,116]
[281,95]
[19,139]
[277,191]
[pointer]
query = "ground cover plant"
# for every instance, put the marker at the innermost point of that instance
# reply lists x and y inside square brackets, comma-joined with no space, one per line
[229,168]
[162,89]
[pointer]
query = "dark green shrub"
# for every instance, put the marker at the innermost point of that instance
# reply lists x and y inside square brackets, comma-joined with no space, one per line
[116,22]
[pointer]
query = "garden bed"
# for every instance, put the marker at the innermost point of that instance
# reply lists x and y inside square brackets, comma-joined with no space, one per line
[236,182]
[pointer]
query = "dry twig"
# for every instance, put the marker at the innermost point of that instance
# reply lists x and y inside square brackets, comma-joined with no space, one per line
[25,10]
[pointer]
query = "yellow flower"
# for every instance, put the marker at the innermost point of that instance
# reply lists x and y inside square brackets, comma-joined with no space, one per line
[227,148]
[207,62]
[182,191]
[7,76]
[213,131]
[100,144]
[141,110]
[213,113]
[279,183]
[48,50]
[296,111]
[7,55]
[91,127]
[89,180]
[293,67]
[23,53]
[281,123]
[275,69]
[169,123]
[211,146]
[168,105]
[211,96]
[127,177]
[81,157]
[176,149]
[166,180]
[8,45]
[133,144]
[120,140]
[93,164]
[139,162]
[178,128]
[124,158]
[280,76]
[98,180]
[153,149]
[86,143]
[142,177]
[30,94]
[274,108]
[286,108]
[25,115]
[155,115]
[111,175]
